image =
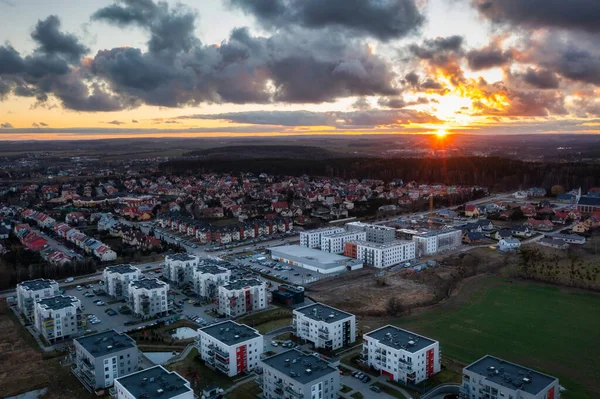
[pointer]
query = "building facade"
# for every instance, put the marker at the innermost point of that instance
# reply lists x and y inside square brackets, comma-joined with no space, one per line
[312,238]
[148,297]
[494,378]
[117,279]
[242,296]
[208,278]
[437,241]
[179,268]
[380,255]
[293,374]
[103,357]
[58,317]
[152,383]
[334,243]
[230,347]
[375,233]
[28,292]
[326,327]
[402,355]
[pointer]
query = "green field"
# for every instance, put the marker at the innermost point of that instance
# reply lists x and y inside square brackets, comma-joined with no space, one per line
[554,330]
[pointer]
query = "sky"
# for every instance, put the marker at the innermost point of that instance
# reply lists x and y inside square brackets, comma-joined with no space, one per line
[73,69]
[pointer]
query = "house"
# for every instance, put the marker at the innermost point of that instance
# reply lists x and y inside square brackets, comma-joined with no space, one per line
[509,244]
[3,232]
[473,237]
[520,231]
[570,238]
[536,192]
[528,210]
[580,228]
[520,195]
[502,234]
[539,225]
[552,243]
[471,211]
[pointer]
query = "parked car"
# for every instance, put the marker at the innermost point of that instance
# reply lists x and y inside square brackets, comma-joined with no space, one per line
[366,379]
[375,388]
[100,303]
[79,288]
[69,280]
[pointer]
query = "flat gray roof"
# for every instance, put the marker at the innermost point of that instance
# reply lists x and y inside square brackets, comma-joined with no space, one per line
[310,256]
[321,312]
[121,269]
[320,230]
[36,285]
[106,342]
[400,339]
[181,257]
[390,244]
[148,283]
[231,333]
[345,234]
[211,269]
[297,365]
[438,232]
[511,375]
[155,382]
[58,302]
[239,284]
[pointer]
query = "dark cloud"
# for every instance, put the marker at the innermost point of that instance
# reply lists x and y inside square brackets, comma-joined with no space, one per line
[52,41]
[347,120]
[391,102]
[442,55]
[362,104]
[437,47]
[134,121]
[6,125]
[540,78]
[115,122]
[43,124]
[10,61]
[383,19]
[572,14]
[488,57]
[34,124]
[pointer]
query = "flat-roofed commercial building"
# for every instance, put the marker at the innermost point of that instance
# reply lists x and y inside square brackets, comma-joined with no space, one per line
[312,238]
[313,259]
[230,347]
[334,243]
[380,255]
[293,374]
[494,378]
[153,383]
[58,317]
[242,296]
[402,355]
[326,327]
[103,357]
[148,297]
[117,278]
[179,268]
[30,291]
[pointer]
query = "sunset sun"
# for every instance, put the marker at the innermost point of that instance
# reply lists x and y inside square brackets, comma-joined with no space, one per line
[441,133]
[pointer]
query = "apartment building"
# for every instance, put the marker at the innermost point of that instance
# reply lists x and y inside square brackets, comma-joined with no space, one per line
[179,268]
[230,347]
[152,383]
[494,378]
[380,255]
[402,355]
[28,292]
[375,233]
[148,297]
[103,357]
[334,243]
[293,374]
[58,317]
[437,241]
[324,326]
[208,278]
[312,238]
[117,278]
[242,296]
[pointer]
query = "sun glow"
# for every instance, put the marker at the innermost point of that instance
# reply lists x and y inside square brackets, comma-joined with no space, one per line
[441,133]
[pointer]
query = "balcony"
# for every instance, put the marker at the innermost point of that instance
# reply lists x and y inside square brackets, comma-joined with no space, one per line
[219,352]
[223,367]
[113,393]
[294,393]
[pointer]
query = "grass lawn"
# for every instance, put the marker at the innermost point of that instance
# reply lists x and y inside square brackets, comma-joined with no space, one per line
[345,389]
[389,390]
[357,395]
[268,320]
[248,390]
[547,328]
[191,366]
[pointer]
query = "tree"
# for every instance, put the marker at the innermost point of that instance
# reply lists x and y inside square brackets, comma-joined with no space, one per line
[394,307]
[557,190]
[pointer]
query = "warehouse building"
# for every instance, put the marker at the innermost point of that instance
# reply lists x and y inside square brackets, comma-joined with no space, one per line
[313,259]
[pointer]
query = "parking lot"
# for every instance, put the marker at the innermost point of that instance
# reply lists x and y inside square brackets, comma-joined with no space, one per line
[289,273]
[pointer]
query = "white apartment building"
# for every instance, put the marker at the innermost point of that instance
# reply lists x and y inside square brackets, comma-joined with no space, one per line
[242,296]
[117,278]
[324,326]
[101,358]
[148,297]
[437,241]
[58,317]
[153,383]
[375,233]
[312,238]
[28,292]
[380,255]
[293,374]
[230,347]
[208,278]
[179,268]
[494,378]
[402,355]
[334,243]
